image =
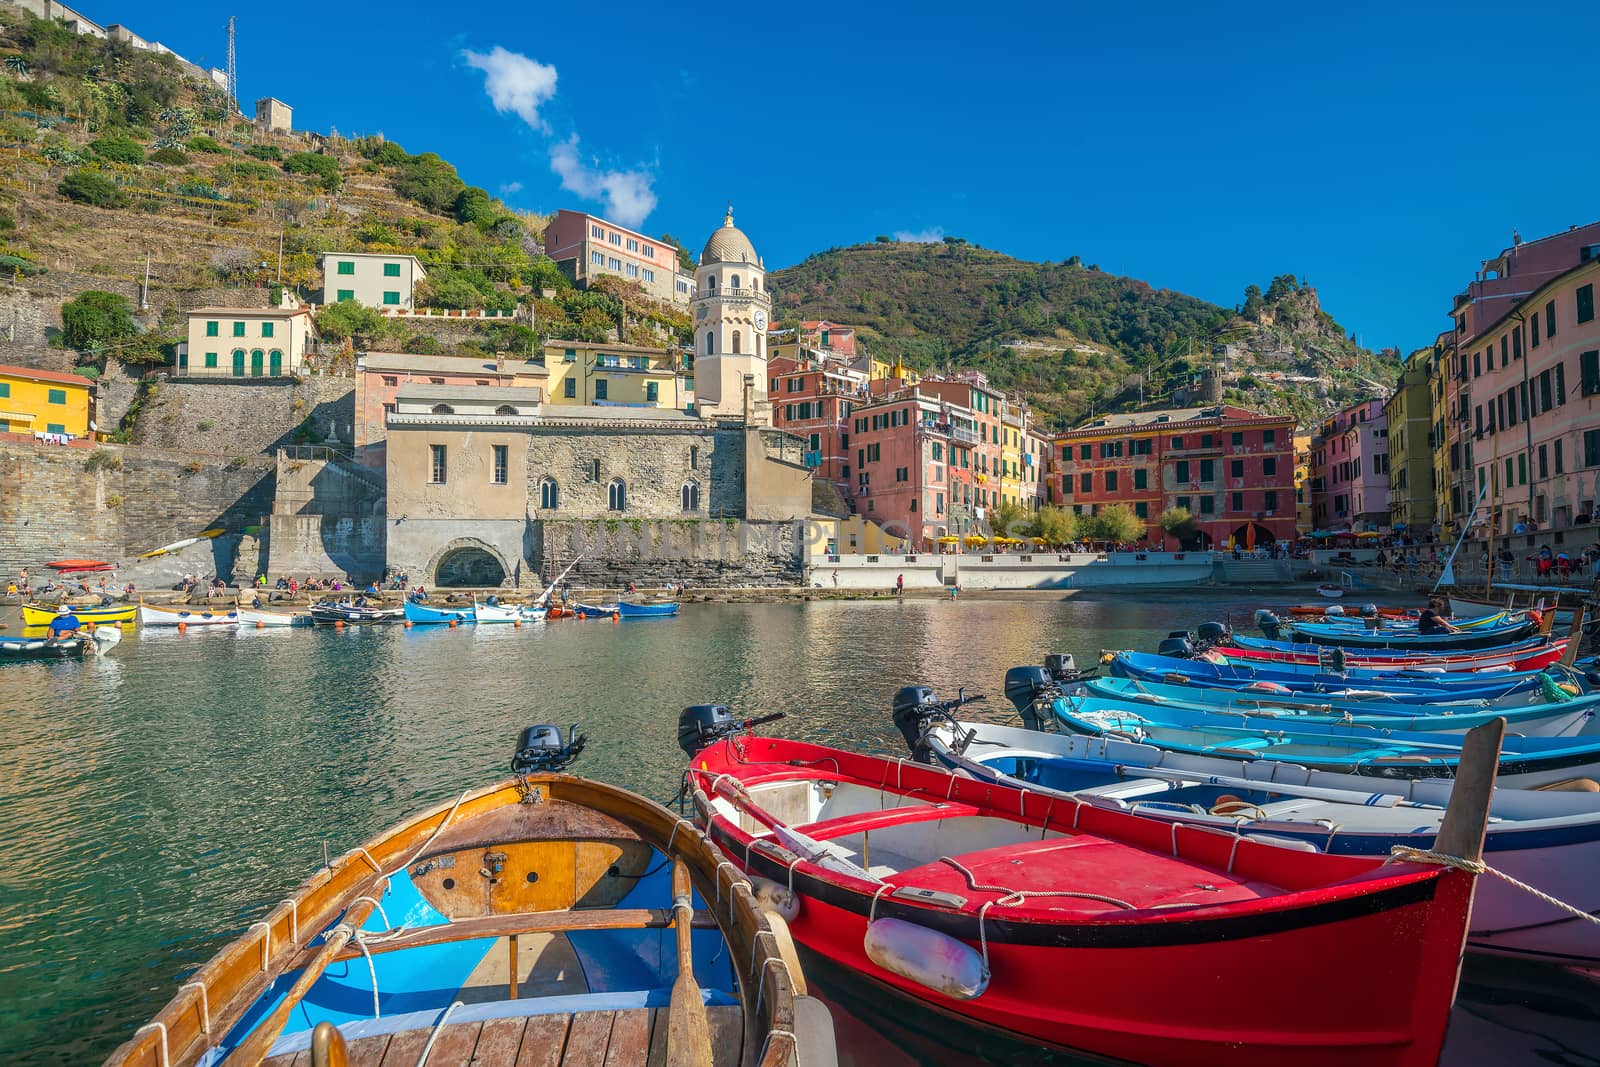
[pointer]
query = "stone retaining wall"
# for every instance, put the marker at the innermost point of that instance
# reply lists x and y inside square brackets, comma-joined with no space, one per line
[700,553]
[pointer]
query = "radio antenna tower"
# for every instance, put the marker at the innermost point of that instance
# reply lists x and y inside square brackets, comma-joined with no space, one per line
[233,68]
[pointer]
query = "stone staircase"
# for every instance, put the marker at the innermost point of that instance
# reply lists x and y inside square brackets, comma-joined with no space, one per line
[1254,571]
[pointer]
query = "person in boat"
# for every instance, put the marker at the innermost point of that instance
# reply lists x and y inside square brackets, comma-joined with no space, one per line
[1430,622]
[65,624]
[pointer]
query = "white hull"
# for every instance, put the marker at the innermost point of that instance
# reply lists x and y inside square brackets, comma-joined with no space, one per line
[257,617]
[492,613]
[534,614]
[149,616]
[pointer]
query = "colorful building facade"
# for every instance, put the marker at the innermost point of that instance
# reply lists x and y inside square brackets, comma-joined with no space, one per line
[247,342]
[1350,470]
[1408,413]
[611,375]
[586,247]
[1231,468]
[381,375]
[45,402]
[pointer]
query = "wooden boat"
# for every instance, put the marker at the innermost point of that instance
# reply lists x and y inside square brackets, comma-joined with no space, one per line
[150,616]
[1542,838]
[1006,913]
[594,611]
[425,615]
[534,613]
[560,613]
[326,612]
[1529,655]
[17,649]
[647,611]
[39,615]
[491,613]
[1525,762]
[576,920]
[1529,712]
[1332,592]
[261,617]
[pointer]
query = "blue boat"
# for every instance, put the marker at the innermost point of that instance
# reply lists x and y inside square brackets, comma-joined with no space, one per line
[1550,712]
[595,611]
[1525,762]
[1409,640]
[1526,646]
[1405,685]
[423,615]
[647,611]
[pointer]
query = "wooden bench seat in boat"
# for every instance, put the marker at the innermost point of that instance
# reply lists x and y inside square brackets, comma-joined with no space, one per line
[846,825]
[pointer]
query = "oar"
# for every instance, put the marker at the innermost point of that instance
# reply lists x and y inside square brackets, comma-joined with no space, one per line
[688,1030]
[805,847]
[254,1048]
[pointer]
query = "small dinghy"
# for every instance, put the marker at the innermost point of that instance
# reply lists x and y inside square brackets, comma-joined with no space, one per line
[1012,914]
[426,615]
[575,921]
[1331,592]
[17,649]
[331,612]
[659,610]
[262,617]
[594,611]
[1548,839]
[150,616]
[497,612]
[39,615]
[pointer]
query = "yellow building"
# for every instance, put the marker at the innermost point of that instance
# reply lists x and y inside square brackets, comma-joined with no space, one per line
[1013,430]
[1442,395]
[41,401]
[1409,410]
[583,372]
[1304,521]
[247,342]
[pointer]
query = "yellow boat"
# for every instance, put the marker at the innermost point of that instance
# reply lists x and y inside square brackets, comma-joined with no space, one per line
[34,615]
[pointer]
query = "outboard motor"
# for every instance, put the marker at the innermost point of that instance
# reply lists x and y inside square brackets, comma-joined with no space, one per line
[1062,667]
[540,748]
[1332,659]
[1336,610]
[1369,611]
[913,707]
[1176,647]
[1210,634]
[703,725]
[1027,688]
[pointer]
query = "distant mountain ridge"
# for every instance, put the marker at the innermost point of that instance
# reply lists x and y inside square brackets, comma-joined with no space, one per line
[1074,339]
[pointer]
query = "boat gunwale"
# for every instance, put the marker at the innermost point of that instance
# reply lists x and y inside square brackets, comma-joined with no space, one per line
[213,998]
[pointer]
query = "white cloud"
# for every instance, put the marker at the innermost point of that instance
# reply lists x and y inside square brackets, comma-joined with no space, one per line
[509,188]
[515,83]
[626,194]
[930,236]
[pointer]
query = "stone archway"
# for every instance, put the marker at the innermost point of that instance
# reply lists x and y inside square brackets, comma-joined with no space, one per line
[467,561]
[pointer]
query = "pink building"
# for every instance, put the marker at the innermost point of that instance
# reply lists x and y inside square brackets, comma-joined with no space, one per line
[379,376]
[1350,470]
[1528,353]
[586,246]
[914,455]
[813,399]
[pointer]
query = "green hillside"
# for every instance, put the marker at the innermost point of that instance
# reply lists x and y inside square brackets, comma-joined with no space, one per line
[1075,339]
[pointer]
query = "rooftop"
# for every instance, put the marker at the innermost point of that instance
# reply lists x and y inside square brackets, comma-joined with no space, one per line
[478,394]
[728,244]
[372,255]
[404,361]
[260,313]
[1166,416]
[36,374]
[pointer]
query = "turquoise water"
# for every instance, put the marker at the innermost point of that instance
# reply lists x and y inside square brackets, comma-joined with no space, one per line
[158,800]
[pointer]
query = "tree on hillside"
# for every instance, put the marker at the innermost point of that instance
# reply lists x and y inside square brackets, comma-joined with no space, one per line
[91,187]
[348,319]
[118,149]
[1116,523]
[96,320]
[474,205]
[685,259]
[1057,525]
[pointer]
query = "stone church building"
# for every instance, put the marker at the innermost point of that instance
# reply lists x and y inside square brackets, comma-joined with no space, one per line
[485,486]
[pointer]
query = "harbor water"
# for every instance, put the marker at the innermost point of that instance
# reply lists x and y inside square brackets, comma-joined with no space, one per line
[156,801]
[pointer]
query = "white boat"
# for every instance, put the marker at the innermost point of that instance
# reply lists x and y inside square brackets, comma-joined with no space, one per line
[1549,839]
[534,614]
[175,546]
[489,613]
[1332,592]
[262,617]
[149,616]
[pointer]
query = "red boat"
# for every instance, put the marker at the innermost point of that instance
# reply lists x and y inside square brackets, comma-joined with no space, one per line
[1530,656]
[71,566]
[1083,926]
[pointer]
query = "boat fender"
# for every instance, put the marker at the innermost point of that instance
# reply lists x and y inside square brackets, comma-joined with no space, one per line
[776,898]
[1570,785]
[1266,687]
[936,961]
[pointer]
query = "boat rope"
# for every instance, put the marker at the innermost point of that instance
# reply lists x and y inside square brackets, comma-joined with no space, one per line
[872,910]
[368,857]
[1407,854]
[205,1005]
[1013,897]
[160,1028]
[437,1027]
[266,943]
[375,904]
[772,1032]
[431,838]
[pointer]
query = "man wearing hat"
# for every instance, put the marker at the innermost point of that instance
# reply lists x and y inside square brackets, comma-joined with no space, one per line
[65,624]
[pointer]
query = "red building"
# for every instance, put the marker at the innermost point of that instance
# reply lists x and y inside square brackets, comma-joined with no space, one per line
[1231,468]
[913,456]
[813,400]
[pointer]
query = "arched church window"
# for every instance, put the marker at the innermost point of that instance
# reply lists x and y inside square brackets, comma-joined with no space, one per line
[443,409]
[711,343]
[736,342]
[734,283]
[691,495]
[505,409]
[549,495]
[711,283]
[617,495]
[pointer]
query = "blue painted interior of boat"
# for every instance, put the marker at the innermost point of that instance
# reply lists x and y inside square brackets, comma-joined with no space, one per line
[426,979]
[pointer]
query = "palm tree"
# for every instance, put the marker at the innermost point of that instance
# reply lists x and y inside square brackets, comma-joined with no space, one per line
[17,65]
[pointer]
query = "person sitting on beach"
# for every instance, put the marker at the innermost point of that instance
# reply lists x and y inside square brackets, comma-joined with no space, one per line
[65,624]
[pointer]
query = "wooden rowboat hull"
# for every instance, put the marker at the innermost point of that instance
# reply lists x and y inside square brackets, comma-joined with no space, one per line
[149,616]
[34,615]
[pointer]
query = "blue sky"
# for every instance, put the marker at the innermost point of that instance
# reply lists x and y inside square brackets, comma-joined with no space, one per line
[1380,152]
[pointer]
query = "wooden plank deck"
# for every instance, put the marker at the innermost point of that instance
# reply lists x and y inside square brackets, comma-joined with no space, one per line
[633,1038]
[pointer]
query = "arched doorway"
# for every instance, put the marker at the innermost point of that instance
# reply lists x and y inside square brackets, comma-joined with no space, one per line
[1252,535]
[468,565]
